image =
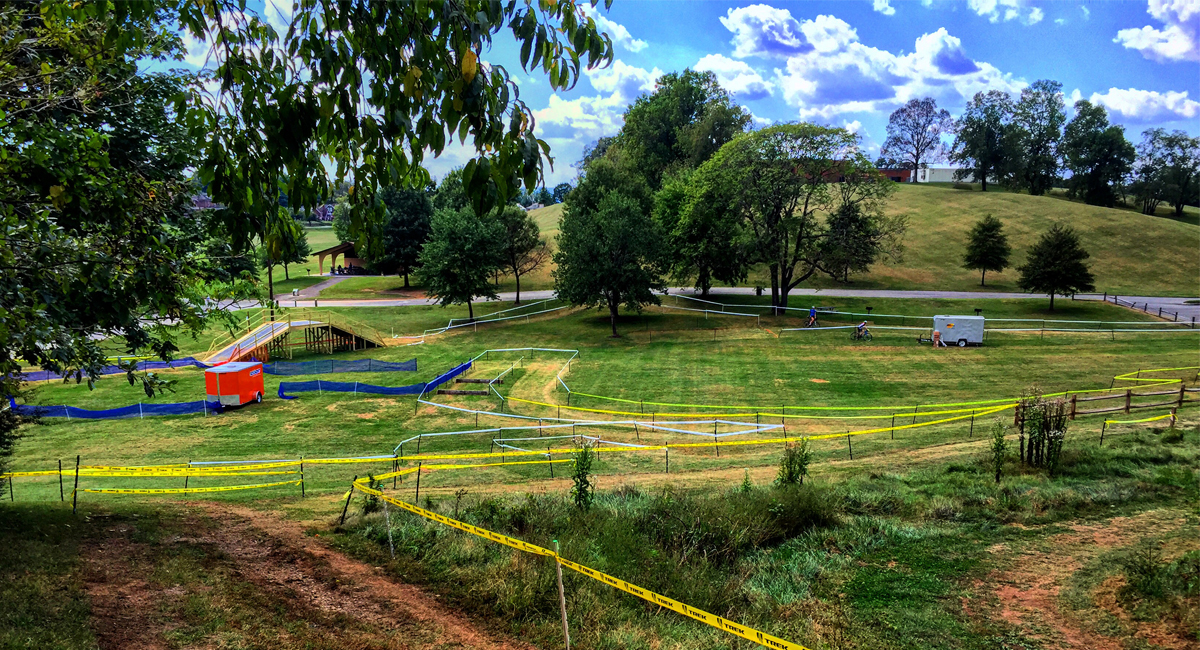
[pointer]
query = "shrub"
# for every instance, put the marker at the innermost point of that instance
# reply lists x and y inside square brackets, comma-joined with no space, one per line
[793,465]
[747,484]
[999,447]
[1043,430]
[1145,572]
[371,503]
[584,491]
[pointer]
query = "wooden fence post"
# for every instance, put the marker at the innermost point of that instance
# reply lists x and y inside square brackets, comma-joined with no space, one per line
[349,495]
[75,491]
[1073,399]
[61,496]
[562,598]
[1128,398]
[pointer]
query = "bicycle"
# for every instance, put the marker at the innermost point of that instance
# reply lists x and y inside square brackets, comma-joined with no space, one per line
[865,335]
[813,322]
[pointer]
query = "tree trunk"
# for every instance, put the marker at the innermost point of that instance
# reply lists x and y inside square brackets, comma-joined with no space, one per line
[406,279]
[613,304]
[774,289]
[286,276]
[983,182]
[982,276]
[1179,209]
[1051,301]
[271,288]
[470,311]
[518,300]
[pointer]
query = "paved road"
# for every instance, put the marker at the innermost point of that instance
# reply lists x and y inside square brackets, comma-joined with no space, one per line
[1168,305]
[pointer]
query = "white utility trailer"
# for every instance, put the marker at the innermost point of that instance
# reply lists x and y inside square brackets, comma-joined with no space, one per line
[960,330]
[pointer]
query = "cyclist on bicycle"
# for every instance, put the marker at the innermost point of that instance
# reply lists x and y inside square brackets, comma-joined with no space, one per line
[812,317]
[861,330]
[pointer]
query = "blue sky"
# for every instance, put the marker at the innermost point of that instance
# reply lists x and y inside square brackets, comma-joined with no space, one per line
[851,63]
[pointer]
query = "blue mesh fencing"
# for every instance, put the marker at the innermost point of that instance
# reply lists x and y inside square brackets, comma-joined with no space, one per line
[334,365]
[131,411]
[321,386]
[43,375]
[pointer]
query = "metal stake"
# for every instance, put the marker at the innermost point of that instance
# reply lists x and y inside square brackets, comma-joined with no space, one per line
[562,598]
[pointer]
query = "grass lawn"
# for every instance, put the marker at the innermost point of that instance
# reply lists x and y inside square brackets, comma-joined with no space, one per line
[909,544]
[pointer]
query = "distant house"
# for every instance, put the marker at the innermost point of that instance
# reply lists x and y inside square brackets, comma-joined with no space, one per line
[898,175]
[323,212]
[927,175]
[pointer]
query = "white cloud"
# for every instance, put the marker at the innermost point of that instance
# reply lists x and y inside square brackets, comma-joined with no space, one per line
[844,75]
[1087,13]
[619,34]
[883,7]
[736,76]
[1060,21]
[570,124]
[761,122]
[1178,40]
[761,30]
[1006,10]
[853,127]
[1148,105]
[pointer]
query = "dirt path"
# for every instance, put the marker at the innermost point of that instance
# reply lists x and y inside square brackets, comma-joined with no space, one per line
[1029,592]
[340,601]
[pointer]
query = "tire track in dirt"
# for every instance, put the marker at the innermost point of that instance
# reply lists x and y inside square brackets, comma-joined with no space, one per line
[274,552]
[339,602]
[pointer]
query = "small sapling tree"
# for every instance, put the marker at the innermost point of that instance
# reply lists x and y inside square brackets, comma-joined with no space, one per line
[522,248]
[1056,265]
[999,447]
[987,248]
[1043,430]
[793,465]
[584,491]
[747,485]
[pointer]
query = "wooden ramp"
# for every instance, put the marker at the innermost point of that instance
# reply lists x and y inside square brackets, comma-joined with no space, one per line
[264,337]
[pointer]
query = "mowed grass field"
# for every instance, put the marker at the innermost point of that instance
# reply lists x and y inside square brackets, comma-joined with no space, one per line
[900,541]
[664,356]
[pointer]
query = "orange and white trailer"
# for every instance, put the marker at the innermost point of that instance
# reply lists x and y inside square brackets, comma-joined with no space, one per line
[234,383]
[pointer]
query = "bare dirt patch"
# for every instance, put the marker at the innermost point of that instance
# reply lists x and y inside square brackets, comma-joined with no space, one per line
[1028,593]
[275,553]
[819,381]
[270,584]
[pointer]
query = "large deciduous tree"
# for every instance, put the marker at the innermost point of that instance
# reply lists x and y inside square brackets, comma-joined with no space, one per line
[1038,119]
[409,212]
[1097,154]
[561,191]
[982,145]
[987,248]
[1057,265]
[522,249]
[1168,169]
[914,133]
[370,89]
[775,184]
[680,125]
[609,248]
[98,235]
[703,246]
[460,257]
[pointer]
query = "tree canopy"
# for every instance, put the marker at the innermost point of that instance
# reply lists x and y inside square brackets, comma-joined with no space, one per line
[773,185]
[987,248]
[914,133]
[983,143]
[1057,265]
[609,249]
[681,124]
[522,249]
[1097,154]
[460,257]
[1038,119]
[404,233]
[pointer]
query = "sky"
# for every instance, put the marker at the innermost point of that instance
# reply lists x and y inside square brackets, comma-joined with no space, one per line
[850,63]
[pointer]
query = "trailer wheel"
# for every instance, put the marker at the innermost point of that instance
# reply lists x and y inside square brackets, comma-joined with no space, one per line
[962,343]
[258,396]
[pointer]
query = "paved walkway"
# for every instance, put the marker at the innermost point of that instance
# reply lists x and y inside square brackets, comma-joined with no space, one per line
[1168,305]
[315,290]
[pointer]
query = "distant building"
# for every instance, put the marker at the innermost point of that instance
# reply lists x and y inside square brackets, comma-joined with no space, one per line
[928,175]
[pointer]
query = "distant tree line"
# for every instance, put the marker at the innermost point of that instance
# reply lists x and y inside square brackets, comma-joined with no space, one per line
[1026,143]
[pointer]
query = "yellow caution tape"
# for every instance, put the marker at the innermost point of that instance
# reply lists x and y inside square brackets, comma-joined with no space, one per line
[759,413]
[723,624]
[181,474]
[1152,419]
[226,488]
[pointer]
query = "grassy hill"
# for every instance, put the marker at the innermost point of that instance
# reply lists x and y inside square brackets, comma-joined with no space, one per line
[1131,253]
